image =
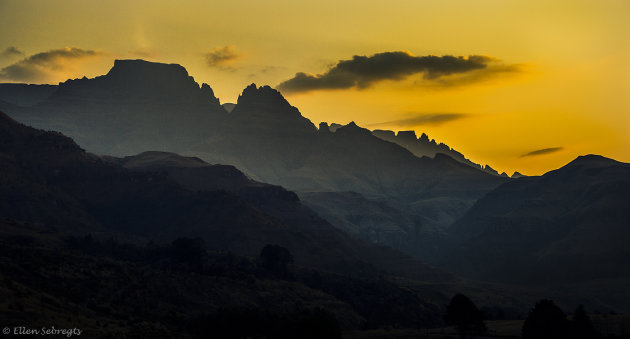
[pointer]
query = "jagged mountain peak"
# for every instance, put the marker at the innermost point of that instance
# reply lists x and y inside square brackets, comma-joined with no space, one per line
[265,109]
[253,96]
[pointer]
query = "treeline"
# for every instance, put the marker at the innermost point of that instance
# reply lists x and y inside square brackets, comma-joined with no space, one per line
[544,321]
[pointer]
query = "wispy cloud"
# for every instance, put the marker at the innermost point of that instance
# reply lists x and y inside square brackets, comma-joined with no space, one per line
[542,151]
[11,52]
[42,66]
[222,57]
[422,119]
[364,71]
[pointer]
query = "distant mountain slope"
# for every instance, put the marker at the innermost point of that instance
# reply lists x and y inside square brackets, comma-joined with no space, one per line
[569,225]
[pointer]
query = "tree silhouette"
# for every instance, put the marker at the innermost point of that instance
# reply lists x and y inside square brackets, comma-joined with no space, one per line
[465,316]
[275,259]
[546,321]
[581,325]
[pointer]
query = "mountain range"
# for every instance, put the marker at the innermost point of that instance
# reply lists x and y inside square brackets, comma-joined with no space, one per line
[164,159]
[140,106]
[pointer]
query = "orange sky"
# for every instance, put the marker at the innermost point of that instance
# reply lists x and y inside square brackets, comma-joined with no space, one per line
[560,81]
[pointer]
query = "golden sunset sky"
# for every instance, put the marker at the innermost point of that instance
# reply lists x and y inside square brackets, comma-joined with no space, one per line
[554,76]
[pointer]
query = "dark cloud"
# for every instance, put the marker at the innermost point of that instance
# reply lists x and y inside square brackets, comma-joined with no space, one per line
[11,52]
[542,151]
[363,71]
[422,119]
[222,57]
[40,66]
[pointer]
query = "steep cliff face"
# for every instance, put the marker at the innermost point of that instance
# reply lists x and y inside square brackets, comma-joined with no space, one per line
[140,81]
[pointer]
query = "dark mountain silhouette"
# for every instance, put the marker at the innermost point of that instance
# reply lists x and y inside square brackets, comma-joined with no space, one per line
[569,225]
[527,230]
[140,103]
[140,106]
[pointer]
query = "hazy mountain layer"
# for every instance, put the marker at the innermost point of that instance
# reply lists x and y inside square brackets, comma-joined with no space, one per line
[422,146]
